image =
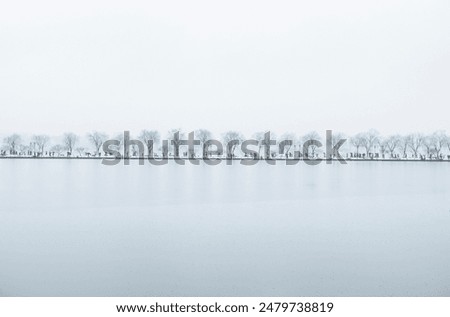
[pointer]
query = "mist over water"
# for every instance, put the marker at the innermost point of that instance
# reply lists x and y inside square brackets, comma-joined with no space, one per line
[78,228]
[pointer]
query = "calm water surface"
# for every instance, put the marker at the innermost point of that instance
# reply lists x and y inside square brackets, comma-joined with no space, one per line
[78,228]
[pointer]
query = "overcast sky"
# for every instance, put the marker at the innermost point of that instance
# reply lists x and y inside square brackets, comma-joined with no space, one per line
[224,65]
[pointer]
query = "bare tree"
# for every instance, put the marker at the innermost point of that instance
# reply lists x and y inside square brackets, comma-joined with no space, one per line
[12,142]
[370,139]
[97,139]
[447,142]
[311,136]
[80,150]
[427,144]
[259,136]
[203,136]
[70,139]
[439,139]
[357,141]
[392,142]
[119,146]
[291,137]
[41,142]
[265,142]
[404,144]
[174,137]
[23,149]
[231,139]
[415,142]
[149,137]
[336,137]
[33,148]
[382,144]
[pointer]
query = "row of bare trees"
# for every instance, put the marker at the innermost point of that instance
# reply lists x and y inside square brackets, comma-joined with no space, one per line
[38,145]
[365,144]
[415,145]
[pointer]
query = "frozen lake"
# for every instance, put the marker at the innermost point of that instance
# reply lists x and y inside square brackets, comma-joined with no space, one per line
[78,228]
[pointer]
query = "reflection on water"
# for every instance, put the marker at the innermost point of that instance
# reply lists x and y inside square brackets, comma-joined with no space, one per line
[78,228]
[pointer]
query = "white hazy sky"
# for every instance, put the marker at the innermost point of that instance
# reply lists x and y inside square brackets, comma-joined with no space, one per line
[224,65]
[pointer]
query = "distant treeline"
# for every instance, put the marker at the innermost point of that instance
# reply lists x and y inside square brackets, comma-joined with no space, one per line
[370,144]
